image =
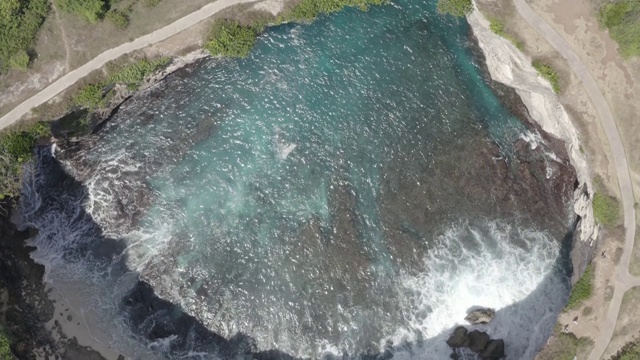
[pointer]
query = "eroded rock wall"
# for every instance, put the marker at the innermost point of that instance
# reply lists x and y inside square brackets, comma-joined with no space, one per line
[511,67]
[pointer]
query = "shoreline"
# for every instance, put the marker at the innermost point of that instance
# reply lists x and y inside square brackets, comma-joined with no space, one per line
[539,101]
[512,68]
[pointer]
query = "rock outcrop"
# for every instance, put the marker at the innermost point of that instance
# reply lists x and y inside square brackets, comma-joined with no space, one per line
[477,341]
[480,316]
[511,67]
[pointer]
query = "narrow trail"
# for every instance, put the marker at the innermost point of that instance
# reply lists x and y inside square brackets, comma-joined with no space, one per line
[623,280]
[99,61]
[67,48]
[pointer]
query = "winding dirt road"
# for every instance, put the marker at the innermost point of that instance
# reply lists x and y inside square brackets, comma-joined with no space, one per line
[99,61]
[623,280]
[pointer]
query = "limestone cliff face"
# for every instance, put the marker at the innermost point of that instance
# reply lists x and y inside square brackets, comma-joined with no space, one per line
[511,67]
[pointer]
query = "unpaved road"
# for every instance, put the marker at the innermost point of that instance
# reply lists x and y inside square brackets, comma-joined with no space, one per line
[623,280]
[99,61]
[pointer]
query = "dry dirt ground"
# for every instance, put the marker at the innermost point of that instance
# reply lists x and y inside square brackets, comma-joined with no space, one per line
[620,82]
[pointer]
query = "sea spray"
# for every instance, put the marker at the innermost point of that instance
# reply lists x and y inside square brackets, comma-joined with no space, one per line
[353,186]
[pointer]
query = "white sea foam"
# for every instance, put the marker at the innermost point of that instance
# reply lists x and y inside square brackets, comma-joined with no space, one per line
[522,283]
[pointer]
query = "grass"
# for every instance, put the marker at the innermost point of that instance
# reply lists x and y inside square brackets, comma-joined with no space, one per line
[606,209]
[459,8]
[549,73]
[20,22]
[564,346]
[622,18]
[497,26]
[308,10]
[5,350]
[582,290]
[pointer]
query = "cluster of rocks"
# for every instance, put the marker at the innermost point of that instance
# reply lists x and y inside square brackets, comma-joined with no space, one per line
[477,341]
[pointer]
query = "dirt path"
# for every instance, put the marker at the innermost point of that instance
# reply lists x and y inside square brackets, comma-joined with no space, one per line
[99,61]
[623,280]
[67,49]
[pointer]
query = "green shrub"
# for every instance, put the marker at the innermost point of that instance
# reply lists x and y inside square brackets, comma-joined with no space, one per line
[549,73]
[582,290]
[5,350]
[230,38]
[133,75]
[90,10]
[20,60]
[497,27]
[459,8]
[606,209]
[622,18]
[89,96]
[16,148]
[118,18]
[20,22]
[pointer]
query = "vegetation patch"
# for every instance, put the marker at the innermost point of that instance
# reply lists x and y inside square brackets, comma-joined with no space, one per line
[582,290]
[630,351]
[231,39]
[118,18]
[90,10]
[307,10]
[622,18]
[606,209]
[497,27]
[16,148]
[459,8]
[133,75]
[549,73]
[19,24]
[5,349]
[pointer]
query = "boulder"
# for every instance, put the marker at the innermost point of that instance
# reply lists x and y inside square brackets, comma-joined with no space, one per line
[458,338]
[477,340]
[480,316]
[494,350]
[454,355]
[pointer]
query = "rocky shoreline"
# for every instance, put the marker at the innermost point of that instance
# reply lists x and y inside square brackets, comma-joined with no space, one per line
[509,66]
[28,298]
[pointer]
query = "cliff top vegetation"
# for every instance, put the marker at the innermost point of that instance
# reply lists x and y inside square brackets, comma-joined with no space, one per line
[622,18]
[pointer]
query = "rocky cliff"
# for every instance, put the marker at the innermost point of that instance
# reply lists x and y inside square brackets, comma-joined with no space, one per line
[511,67]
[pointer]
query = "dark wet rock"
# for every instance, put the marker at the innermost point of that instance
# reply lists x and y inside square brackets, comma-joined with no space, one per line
[480,316]
[478,340]
[454,355]
[458,338]
[494,350]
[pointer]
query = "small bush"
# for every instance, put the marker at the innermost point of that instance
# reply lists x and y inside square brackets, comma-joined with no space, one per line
[582,290]
[549,73]
[5,349]
[89,96]
[231,39]
[459,8]
[606,209]
[118,18]
[622,18]
[90,10]
[20,60]
[16,148]
[133,75]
